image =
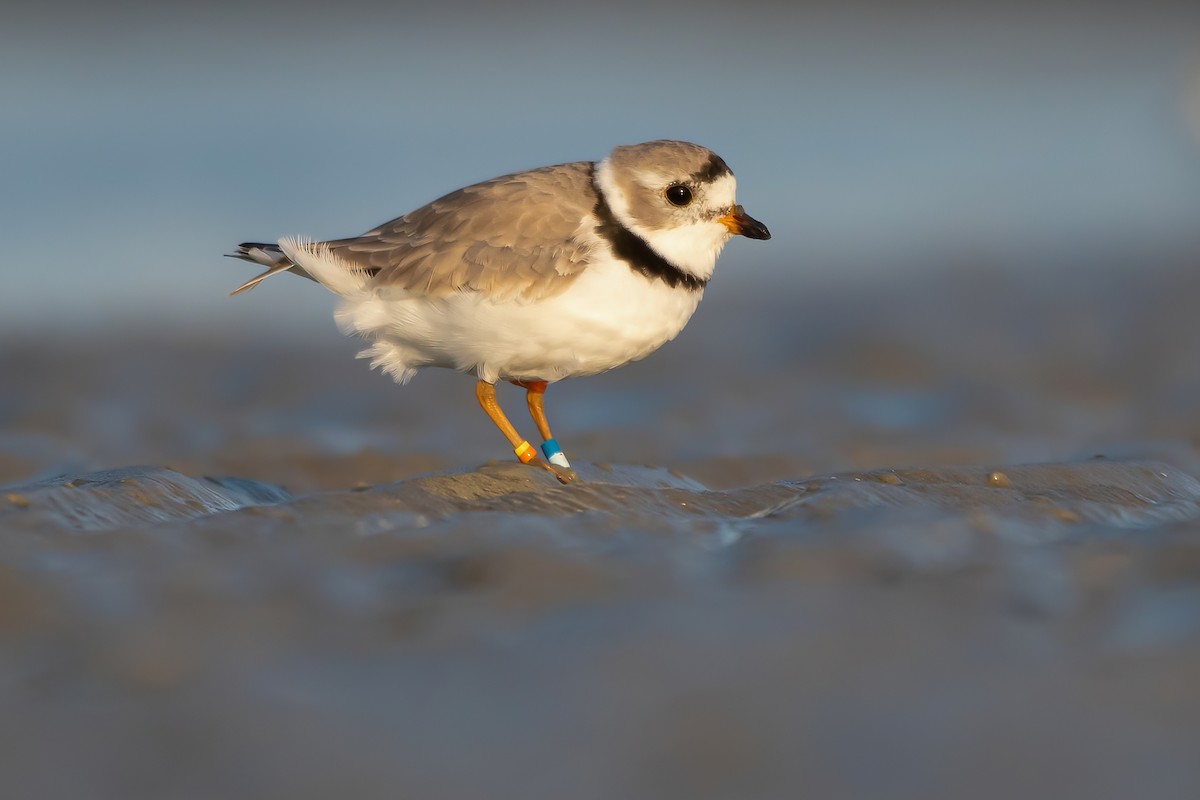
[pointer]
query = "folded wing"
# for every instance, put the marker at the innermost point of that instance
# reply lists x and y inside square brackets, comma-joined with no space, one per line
[523,236]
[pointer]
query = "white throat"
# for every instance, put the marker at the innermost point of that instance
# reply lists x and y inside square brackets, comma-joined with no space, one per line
[692,248]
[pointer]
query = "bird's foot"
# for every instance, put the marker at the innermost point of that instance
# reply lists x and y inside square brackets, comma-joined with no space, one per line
[564,474]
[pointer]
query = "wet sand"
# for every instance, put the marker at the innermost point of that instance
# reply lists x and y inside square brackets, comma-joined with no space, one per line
[930,539]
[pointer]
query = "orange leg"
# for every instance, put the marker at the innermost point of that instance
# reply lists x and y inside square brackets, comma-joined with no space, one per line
[486,394]
[535,395]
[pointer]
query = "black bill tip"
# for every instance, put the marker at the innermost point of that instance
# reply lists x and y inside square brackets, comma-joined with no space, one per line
[742,224]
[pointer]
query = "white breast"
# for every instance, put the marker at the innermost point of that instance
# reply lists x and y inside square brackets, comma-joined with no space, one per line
[609,316]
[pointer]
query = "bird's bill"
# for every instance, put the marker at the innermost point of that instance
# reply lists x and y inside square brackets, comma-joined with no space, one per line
[742,224]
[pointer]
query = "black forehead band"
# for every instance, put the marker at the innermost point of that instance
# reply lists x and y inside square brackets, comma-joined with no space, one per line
[715,168]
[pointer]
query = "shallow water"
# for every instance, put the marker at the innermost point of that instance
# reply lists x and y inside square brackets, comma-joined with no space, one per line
[937,540]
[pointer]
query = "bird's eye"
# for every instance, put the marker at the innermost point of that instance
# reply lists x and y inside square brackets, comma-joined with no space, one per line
[679,195]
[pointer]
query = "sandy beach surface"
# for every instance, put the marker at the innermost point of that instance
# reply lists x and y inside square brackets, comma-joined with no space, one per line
[930,538]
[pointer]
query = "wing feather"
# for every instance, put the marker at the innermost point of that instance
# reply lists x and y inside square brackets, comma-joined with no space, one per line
[521,236]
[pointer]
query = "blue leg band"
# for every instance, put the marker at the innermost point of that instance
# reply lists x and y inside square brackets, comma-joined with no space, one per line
[554,453]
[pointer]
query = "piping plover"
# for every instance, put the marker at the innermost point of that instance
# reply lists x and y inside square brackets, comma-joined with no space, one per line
[532,277]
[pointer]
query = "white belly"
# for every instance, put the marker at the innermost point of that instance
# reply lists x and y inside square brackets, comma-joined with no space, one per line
[607,317]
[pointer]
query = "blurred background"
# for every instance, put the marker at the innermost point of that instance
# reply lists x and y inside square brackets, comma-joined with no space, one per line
[985,254]
[140,141]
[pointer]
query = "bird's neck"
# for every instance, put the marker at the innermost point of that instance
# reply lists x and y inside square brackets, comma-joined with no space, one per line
[683,256]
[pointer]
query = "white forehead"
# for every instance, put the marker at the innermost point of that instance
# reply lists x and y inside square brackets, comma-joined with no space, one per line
[722,191]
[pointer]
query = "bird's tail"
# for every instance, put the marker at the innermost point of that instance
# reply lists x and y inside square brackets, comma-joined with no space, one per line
[313,260]
[269,255]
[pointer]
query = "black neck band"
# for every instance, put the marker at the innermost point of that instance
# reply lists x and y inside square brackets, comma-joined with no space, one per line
[634,250]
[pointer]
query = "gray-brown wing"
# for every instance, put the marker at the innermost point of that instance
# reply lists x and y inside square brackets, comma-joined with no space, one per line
[518,236]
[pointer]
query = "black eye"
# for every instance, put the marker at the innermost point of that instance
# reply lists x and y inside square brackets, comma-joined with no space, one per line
[679,195]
